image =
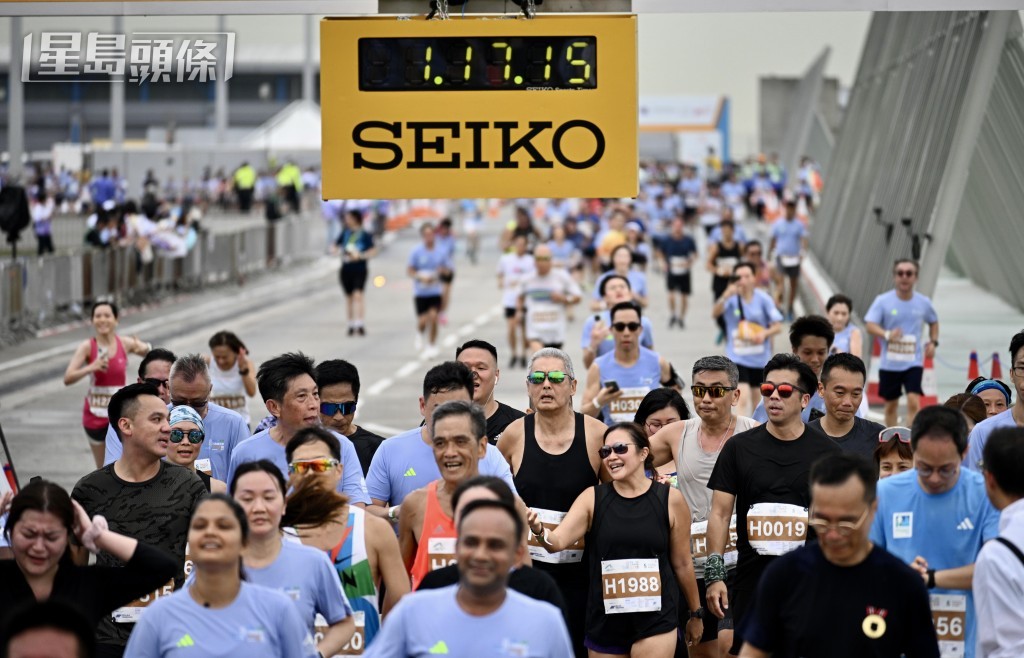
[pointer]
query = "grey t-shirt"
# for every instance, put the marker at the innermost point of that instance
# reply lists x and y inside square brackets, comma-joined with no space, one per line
[694,465]
[861,440]
[157,512]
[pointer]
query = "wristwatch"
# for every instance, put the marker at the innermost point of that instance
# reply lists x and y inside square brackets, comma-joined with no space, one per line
[696,614]
[934,342]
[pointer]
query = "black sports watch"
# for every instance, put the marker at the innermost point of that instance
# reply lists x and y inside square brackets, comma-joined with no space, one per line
[696,614]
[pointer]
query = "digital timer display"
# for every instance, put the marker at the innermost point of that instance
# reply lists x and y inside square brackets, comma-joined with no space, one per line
[478,63]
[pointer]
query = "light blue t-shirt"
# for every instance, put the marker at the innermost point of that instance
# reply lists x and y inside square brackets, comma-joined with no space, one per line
[259,623]
[447,245]
[841,342]
[261,446]
[429,260]
[637,282]
[404,463]
[224,428]
[306,576]
[979,437]
[608,344]
[788,234]
[635,382]
[760,309]
[430,622]
[889,312]
[947,529]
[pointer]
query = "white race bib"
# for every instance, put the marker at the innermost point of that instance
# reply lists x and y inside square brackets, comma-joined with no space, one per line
[550,520]
[776,528]
[632,585]
[623,409]
[99,398]
[678,265]
[441,551]
[949,614]
[746,348]
[233,402]
[130,613]
[204,465]
[903,349]
[789,261]
[699,545]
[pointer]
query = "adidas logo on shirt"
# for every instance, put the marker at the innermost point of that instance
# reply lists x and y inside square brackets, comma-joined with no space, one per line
[185,641]
[410,473]
[966,524]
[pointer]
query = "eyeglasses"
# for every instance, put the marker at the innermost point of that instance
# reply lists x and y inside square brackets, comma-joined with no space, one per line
[842,528]
[554,376]
[785,390]
[716,391]
[194,436]
[312,466]
[890,433]
[655,425]
[157,382]
[1017,370]
[618,448]
[195,404]
[945,472]
[542,258]
[622,326]
[331,408]
[905,273]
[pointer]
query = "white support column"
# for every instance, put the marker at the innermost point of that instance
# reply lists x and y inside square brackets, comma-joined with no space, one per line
[117,118]
[220,99]
[308,25]
[15,101]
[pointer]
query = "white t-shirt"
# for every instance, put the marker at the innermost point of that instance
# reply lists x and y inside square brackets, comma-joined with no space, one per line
[545,319]
[513,268]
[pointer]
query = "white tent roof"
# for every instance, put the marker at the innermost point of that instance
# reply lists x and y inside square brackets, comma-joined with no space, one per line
[295,127]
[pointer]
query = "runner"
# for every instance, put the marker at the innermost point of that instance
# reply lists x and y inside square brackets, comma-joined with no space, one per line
[994,393]
[764,273]
[622,265]
[789,242]
[635,528]
[751,319]
[762,475]
[155,369]
[543,301]
[811,339]
[338,382]
[187,434]
[553,455]
[482,360]
[597,338]
[893,454]
[848,337]
[513,268]
[363,548]
[232,373]
[356,246]
[841,596]
[897,317]
[936,518]
[194,619]
[1012,417]
[723,259]
[619,380]
[301,572]
[446,241]
[680,252]
[427,262]
[842,390]
[104,359]
[479,616]
[691,448]
[659,408]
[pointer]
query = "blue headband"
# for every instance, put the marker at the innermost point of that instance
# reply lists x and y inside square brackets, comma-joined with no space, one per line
[991,385]
[183,413]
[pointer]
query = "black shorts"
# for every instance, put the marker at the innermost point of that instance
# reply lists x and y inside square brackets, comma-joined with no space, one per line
[892,383]
[752,376]
[425,304]
[678,283]
[352,278]
[510,312]
[741,603]
[790,272]
[712,624]
[98,435]
[446,278]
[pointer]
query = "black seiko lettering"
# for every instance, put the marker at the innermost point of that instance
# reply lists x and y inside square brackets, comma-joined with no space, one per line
[360,162]
[508,147]
[420,145]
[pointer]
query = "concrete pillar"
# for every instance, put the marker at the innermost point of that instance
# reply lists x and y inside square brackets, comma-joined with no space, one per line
[15,101]
[220,100]
[308,25]
[117,120]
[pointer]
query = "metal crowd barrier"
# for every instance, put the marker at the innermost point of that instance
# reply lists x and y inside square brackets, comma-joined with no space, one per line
[34,289]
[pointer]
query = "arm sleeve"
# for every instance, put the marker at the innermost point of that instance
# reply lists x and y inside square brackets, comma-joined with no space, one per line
[771,311]
[647,337]
[975,447]
[239,433]
[144,641]
[989,521]
[352,482]
[588,326]
[874,313]
[494,464]
[930,315]
[148,569]
[296,640]
[763,625]
[378,485]
[331,601]
[561,645]
[113,450]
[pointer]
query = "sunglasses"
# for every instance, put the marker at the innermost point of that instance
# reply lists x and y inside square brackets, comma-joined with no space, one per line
[905,272]
[542,258]
[312,466]
[157,382]
[195,404]
[622,326]
[331,408]
[194,436]
[890,433]
[618,448]
[716,391]
[842,528]
[785,390]
[554,376]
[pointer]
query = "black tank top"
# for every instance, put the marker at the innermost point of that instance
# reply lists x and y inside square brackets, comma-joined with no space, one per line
[554,482]
[625,528]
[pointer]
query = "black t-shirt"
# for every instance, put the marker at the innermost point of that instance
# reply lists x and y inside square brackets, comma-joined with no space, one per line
[501,419]
[757,468]
[157,512]
[366,443]
[534,583]
[861,440]
[808,607]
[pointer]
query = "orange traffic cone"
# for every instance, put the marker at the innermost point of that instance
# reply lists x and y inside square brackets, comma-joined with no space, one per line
[972,369]
[874,398]
[930,384]
[997,368]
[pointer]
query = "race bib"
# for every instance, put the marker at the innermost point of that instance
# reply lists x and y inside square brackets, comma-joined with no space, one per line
[130,613]
[949,614]
[789,261]
[746,348]
[233,402]
[631,585]
[725,264]
[699,544]
[441,551]
[623,409]
[355,646]
[550,520]
[678,265]
[903,349]
[542,317]
[204,466]
[776,528]
[99,398]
